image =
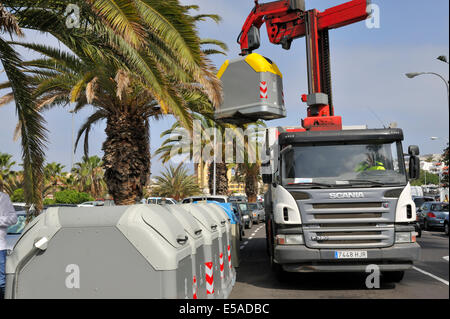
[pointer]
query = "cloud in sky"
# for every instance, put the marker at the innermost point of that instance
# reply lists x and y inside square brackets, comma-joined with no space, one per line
[368,69]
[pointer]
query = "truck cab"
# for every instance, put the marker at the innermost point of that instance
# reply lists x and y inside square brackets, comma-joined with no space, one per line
[340,201]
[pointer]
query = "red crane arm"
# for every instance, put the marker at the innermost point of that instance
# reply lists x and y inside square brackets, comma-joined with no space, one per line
[287,20]
[285,24]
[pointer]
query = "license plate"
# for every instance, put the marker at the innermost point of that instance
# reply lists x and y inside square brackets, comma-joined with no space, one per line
[441,221]
[347,254]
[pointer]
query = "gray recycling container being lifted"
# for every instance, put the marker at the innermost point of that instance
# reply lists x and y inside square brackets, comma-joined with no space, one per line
[226,276]
[101,252]
[196,241]
[209,226]
[252,90]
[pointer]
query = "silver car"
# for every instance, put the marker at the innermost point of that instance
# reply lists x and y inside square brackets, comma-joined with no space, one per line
[432,215]
[257,212]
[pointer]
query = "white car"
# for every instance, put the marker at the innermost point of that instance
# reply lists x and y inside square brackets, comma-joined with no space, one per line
[159,200]
[92,204]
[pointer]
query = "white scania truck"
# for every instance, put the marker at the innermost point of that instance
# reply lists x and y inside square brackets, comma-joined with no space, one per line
[340,201]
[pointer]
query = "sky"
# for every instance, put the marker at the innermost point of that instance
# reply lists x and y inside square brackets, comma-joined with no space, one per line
[368,76]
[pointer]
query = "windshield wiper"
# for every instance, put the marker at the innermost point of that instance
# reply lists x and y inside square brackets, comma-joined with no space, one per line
[310,184]
[365,181]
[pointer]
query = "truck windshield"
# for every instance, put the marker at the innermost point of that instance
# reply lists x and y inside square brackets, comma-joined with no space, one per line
[343,164]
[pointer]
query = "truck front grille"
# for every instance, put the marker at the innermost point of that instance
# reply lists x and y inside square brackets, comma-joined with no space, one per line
[348,224]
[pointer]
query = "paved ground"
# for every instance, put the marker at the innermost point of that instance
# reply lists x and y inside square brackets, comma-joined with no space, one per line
[429,278]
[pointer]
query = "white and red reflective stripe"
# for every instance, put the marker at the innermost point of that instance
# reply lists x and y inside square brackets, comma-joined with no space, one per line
[221,265]
[229,256]
[209,278]
[194,288]
[263,90]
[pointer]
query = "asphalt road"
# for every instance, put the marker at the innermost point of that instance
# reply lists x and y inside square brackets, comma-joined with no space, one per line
[255,280]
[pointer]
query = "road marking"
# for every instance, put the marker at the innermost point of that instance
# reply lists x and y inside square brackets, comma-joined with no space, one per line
[246,242]
[445,258]
[431,275]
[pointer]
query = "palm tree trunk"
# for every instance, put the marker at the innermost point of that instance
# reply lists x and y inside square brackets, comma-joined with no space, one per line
[127,157]
[221,179]
[251,187]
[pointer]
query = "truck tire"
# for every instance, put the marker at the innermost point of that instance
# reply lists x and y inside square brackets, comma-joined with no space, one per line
[393,276]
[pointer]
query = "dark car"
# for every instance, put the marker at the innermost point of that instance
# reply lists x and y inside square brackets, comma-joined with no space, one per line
[246,214]
[433,215]
[419,200]
[240,217]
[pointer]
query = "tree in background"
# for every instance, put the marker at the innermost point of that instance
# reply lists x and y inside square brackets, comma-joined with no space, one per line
[177,183]
[6,172]
[88,176]
[432,179]
[53,178]
[445,160]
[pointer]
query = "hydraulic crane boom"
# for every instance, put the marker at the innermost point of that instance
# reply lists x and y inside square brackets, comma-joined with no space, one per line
[287,20]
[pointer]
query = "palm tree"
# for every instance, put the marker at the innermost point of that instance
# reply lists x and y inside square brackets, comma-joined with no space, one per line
[88,175]
[138,59]
[175,182]
[53,176]
[6,172]
[166,153]
[31,123]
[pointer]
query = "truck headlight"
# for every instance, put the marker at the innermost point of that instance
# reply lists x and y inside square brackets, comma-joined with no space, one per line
[405,237]
[290,240]
[245,216]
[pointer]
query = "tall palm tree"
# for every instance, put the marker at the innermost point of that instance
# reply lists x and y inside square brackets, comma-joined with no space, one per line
[175,182]
[31,123]
[138,59]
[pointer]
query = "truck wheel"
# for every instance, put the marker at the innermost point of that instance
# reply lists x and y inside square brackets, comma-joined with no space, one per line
[393,276]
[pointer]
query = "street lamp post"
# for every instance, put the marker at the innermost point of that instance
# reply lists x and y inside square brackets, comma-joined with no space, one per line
[415,74]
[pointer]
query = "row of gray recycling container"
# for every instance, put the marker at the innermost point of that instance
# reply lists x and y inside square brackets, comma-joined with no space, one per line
[140,251]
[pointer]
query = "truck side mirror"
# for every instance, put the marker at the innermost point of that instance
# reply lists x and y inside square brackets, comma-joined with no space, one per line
[413,150]
[414,167]
[254,38]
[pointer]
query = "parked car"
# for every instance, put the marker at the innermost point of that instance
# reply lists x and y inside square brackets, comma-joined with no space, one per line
[211,198]
[432,215]
[14,232]
[419,200]
[161,200]
[245,213]
[237,199]
[446,225]
[257,212]
[240,217]
[92,204]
